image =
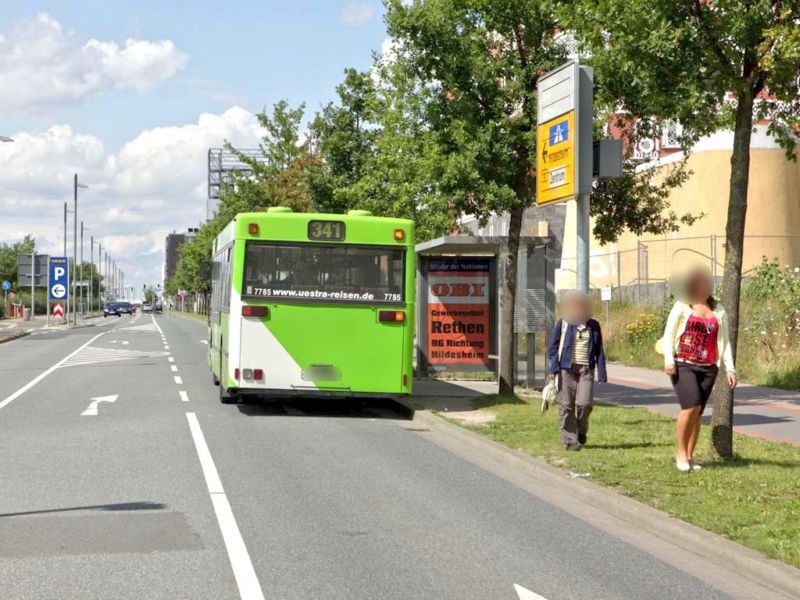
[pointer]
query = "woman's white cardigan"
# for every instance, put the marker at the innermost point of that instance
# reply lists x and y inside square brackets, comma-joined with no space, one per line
[676,324]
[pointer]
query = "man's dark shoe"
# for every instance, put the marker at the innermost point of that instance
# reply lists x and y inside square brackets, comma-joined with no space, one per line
[582,439]
[573,447]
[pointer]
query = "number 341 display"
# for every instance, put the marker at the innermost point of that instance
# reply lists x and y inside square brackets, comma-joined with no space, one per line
[326,230]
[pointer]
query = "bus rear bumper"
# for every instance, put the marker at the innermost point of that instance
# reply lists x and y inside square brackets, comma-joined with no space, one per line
[297,394]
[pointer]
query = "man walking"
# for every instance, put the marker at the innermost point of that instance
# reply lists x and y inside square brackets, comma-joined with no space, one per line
[576,351]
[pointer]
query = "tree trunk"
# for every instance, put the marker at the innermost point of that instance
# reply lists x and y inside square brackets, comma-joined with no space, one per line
[722,419]
[508,350]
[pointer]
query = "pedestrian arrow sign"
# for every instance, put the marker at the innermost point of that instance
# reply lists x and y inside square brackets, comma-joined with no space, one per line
[6,285]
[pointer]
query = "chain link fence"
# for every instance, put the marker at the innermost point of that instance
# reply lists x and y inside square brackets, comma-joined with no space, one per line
[639,274]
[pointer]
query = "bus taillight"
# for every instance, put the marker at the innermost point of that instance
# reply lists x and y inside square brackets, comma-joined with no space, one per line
[258,374]
[255,311]
[391,316]
[252,228]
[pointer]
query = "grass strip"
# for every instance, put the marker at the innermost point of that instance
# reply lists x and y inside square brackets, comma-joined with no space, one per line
[753,499]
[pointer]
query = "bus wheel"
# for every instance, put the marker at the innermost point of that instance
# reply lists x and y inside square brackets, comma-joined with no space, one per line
[225,397]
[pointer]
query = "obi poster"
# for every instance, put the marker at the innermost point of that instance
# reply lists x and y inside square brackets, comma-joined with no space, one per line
[458,311]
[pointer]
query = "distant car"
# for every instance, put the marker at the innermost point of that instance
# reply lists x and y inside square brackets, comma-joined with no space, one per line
[147,307]
[158,308]
[111,309]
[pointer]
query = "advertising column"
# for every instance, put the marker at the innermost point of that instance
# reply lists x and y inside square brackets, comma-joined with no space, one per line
[458,313]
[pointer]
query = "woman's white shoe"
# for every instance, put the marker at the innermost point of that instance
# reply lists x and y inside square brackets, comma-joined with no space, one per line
[683,467]
[695,466]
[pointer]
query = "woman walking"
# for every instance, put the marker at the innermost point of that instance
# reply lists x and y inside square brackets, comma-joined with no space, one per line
[696,345]
[576,349]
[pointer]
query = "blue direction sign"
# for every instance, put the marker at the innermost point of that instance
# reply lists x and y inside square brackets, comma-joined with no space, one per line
[6,285]
[59,278]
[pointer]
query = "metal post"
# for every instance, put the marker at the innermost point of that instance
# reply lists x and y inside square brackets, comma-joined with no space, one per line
[33,285]
[74,246]
[91,274]
[100,274]
[83,277]
[583,172]
[66,304]
[714,259]
[638,271]
[47,293]
[582,246]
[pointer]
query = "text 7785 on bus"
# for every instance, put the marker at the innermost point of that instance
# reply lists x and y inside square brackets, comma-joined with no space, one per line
[312,305]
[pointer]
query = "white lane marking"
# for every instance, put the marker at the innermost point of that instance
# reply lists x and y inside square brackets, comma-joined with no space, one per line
[173,368]
[170,359]
[243,571]
[161,331]
[178,380]
[526,594]
[184,396]
[41,376]
[204,342]
[91,410]
[166,347]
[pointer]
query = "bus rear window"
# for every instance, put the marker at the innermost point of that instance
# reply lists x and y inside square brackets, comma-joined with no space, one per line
[324,273]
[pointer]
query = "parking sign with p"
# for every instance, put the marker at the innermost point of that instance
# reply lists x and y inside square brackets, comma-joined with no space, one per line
[59,278]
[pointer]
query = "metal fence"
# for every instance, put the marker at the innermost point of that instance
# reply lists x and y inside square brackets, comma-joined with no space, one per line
[639,274]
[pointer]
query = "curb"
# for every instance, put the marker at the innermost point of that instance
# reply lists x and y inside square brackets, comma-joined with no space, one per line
[766,572]
[13,337]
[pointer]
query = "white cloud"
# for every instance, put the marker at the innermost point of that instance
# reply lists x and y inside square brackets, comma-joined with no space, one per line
[356,14]
[43,66]
[154,184]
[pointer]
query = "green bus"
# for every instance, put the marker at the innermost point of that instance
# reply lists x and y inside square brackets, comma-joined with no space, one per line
[309,305]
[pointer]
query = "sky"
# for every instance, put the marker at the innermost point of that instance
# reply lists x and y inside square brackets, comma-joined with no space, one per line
[131,94]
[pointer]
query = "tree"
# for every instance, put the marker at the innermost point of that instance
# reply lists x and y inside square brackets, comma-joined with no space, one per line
[278,178]
[375,152]
[708,65]
[9,255]
[472,67]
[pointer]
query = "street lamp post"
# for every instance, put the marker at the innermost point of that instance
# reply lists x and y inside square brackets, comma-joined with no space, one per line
[75,242]
[83,275]
[91,274]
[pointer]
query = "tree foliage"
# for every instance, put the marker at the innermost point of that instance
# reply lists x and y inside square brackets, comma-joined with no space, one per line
[8,258]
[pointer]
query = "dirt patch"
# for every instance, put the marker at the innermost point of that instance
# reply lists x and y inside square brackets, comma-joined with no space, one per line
[472,417]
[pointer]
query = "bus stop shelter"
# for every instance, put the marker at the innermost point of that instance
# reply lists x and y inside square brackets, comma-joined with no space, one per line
[459,301]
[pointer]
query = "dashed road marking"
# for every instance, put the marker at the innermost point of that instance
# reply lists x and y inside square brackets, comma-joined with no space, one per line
[184,396]
[178,380]
[173,368]
[170,359]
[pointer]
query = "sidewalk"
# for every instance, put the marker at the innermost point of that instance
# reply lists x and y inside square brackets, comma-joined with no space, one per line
[761,412]
[13,328]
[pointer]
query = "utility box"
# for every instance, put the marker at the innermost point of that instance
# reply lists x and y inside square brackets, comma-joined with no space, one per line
[607,159]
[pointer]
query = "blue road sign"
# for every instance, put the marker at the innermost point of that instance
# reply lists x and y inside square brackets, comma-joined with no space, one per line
[6,286]
[59,278]
[559,132]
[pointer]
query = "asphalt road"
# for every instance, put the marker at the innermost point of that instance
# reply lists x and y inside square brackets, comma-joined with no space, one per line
[124,477]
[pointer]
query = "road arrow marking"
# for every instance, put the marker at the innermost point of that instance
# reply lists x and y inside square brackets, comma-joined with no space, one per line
[91,410]
[526,594]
